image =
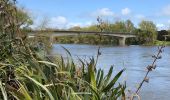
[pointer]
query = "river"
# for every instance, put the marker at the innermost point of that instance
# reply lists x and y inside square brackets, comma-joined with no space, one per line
[134,59]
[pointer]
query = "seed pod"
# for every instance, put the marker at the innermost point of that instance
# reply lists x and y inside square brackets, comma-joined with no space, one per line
[154,56]
[149,67]
[159,57]
[154,66]
[160,51]
[146,80]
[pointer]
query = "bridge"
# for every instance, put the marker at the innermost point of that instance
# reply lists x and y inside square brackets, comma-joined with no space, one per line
[166,36]
[120,35]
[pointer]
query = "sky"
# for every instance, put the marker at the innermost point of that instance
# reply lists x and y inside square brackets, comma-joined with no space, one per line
[70,13]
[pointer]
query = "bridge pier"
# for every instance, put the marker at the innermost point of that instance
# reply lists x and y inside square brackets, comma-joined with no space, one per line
[122,41]
[51,40]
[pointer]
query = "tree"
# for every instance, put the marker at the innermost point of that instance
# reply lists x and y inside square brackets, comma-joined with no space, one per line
[91,28]
[24,20]
[148,31]
[129,26]
[43,23]
[21,20]
[120,26]
[75,28]
[148,25]
[161,34]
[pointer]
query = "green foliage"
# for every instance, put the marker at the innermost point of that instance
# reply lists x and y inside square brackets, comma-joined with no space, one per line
[118,26]
[129,26]
[148,26]
[24,19]
[159,43]
[87,39]
[75,28]
[121,26]
[91,28]
[147,32]
[161,35]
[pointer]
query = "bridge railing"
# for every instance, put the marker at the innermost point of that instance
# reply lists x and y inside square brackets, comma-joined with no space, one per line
[83,32]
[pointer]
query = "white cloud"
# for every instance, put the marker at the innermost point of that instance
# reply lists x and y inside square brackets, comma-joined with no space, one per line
[160,26]
[61,22]
[140,17]
[58,22]
[166,10]
[81,24]
[103,12]
[126,11]
[169,21]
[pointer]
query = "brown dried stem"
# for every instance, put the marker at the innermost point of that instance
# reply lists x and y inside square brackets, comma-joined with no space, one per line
[150,68]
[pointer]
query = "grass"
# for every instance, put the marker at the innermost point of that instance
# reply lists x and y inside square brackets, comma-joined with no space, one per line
[158,43]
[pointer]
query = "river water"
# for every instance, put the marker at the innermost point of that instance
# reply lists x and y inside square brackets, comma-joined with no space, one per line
[134,59]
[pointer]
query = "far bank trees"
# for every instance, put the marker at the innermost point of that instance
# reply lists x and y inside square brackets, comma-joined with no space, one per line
[147,32]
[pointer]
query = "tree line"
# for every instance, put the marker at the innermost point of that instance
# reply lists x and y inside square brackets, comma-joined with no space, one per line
[146,30]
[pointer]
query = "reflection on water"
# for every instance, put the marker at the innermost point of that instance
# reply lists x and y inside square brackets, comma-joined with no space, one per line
[134,59]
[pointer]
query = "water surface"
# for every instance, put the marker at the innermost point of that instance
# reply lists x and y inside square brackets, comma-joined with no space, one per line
[134,59]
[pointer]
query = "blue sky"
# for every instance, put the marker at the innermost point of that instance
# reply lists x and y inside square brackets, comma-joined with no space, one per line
[69,13]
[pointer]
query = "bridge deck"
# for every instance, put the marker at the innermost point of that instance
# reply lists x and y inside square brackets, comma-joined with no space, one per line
[69,33]
[82,32]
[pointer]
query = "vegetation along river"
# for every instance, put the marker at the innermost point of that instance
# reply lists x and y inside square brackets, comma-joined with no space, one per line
[134,59]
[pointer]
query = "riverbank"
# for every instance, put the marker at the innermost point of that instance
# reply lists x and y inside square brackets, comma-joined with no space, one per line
[102,40]
[166,43]
[91,39]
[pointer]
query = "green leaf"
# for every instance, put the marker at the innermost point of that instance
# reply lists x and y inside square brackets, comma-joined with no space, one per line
[112,83]
[109,75]
[3,91]
[42,86]
[100,80]
[25,92]
[95,92]
[98,75]
[67,51]
[48,63]
[21,93]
